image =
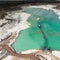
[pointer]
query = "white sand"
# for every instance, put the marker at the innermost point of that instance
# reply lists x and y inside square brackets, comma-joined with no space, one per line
[8,58]
[42,6]
[29,51]
[23,23]
[56,53]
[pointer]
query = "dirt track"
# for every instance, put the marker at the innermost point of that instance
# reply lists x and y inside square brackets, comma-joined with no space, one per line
[13,53]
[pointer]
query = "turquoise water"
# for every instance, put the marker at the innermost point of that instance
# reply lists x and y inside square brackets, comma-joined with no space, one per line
[32,38]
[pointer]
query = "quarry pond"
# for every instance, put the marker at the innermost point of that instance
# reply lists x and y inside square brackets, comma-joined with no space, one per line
[43,31]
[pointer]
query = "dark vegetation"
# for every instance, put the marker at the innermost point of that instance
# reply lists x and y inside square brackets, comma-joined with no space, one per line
[57,7]
[17,5]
